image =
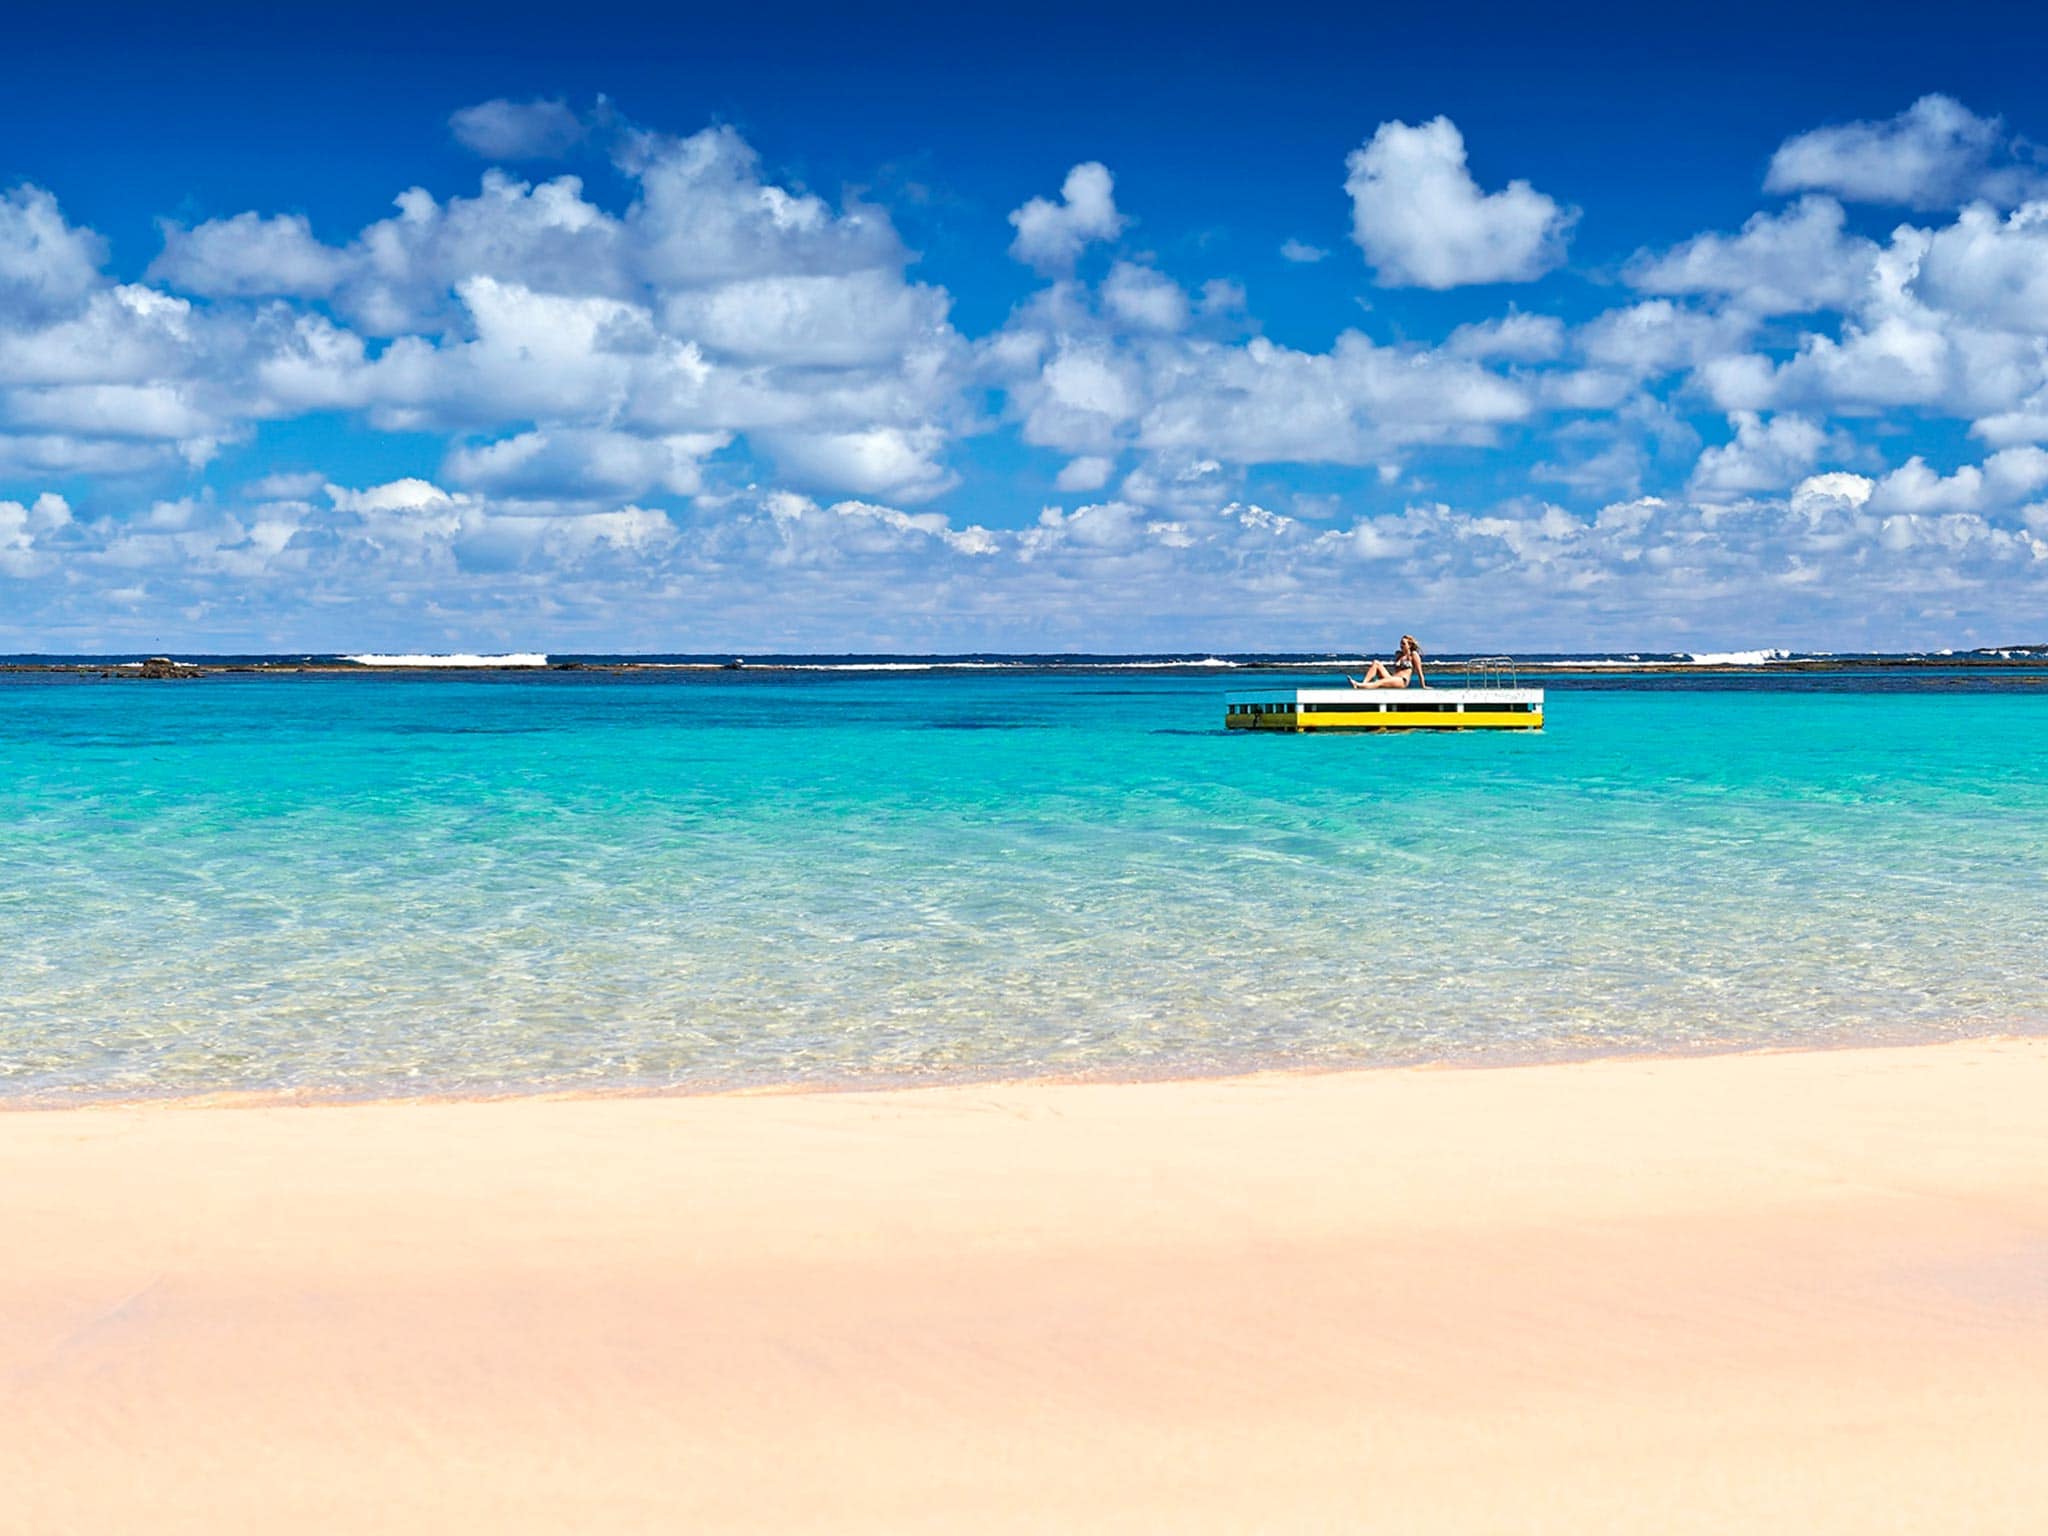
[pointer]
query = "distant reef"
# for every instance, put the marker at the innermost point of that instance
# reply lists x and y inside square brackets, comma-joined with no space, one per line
[2021,658]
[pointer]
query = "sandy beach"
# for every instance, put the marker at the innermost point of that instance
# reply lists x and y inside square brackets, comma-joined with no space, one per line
[1771,1292]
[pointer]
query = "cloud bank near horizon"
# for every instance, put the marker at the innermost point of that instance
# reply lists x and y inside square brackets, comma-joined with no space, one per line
[724,410]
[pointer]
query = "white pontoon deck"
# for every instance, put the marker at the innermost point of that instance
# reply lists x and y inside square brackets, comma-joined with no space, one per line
[1490,699]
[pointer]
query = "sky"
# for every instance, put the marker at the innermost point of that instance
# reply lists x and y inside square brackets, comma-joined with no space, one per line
[901,328]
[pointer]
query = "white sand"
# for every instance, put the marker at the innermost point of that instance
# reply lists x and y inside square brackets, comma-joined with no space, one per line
[1798,1292]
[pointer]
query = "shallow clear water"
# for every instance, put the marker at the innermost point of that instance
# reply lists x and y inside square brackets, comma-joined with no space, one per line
[414,884]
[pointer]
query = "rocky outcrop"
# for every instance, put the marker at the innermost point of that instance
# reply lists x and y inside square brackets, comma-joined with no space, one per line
[154,667]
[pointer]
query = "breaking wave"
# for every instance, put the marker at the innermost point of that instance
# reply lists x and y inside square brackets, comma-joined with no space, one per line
[452,659]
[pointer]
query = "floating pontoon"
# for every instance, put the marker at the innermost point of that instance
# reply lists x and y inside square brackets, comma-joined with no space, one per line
[1494,702]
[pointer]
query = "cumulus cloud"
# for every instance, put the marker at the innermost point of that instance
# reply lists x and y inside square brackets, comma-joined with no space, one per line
[1515,337]
[1658,337]
[699,379]
[1990,270]
[98,377]
[1947,319]
[46,263]
[1765,455]
[1088,473]
[569,462]
[883,461]
[2001,482]
[560,338]
[1094,373]
[1423,222]
[1051,235]
[248,255]
[1935,154]
[518,130]
[1780,263]
[1895,349]
[1143,298]
[1302,252]
[2026,423]
[404,271]
[1264,403]
[22,526]
[1830,561]
[825,320]
[408,495]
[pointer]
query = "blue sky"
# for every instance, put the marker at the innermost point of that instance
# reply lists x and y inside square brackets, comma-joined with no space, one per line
[922,329]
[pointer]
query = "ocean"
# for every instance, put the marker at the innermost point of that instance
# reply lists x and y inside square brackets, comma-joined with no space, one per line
[400,882]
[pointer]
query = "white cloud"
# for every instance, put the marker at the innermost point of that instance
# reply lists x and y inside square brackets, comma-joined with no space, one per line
[1086,392]
[112,410]
[2027,423]
[1264,403]
[606,370]
[1514,337]
[1836,486]
[404,271]
[1780,263]
[570,462]
[832,320]
[859,531]
[1301,251]
[411,561]
[1423,222]
[1089,473]
[1143,298]
[1051,236]
[46,264]
[1893,351]
[1657,337]
[407,495]
[1935,154]
[1766,455]
[706,214]
[880,461]
[285,485]
[1093,382]
[22,525]
[717,304]
[2002,482]
[98,377]
[1990,270]
[125,334]
[248,255]
[518,130]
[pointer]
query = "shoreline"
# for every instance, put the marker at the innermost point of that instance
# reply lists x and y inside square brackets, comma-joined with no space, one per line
[326,1098]
[1777,1289]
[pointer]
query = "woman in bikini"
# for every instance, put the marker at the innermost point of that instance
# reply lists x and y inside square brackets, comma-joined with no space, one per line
[1407,668]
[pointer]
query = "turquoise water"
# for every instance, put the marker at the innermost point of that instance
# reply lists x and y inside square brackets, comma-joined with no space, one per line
[424,884]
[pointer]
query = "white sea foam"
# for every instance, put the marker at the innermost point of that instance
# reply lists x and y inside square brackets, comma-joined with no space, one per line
[888,666]
[1134,666]
[1735,658]
[453,659]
